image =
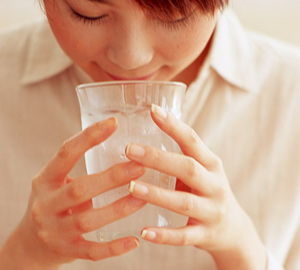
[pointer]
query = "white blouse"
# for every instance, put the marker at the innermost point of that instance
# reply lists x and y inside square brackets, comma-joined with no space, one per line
[244,105]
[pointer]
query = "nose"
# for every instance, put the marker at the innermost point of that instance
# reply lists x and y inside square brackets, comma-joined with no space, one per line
[130,46]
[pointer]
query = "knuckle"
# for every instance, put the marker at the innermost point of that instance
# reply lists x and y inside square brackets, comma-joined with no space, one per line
[208,238]
[82,223]
[193,137]
[156,155]
[219,192]
[113,176]
[44,236]
[41,232]
[113,251]
[93,254]
[219,162]
[64,151]
[77,190]
[221,213]
[35,185]
[186,239]
[191,167]
[216,163]
[187,203]
[36,213]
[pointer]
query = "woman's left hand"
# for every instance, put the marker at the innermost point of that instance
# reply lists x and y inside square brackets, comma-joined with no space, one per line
[216,222]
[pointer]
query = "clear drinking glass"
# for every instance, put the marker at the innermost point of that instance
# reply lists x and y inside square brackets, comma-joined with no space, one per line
[130,103]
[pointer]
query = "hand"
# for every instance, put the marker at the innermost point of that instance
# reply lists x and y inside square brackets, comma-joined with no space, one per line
[216,222]
[60,208]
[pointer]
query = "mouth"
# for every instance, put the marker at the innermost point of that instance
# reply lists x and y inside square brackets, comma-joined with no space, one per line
[143,78]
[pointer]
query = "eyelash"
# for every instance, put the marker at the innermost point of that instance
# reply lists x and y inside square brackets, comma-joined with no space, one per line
[88,20]
[174,25]
[171,25]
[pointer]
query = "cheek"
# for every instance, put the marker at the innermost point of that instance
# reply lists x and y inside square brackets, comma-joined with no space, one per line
[67,33]
[183,50]
[73,42]
[188,44]
[79,43]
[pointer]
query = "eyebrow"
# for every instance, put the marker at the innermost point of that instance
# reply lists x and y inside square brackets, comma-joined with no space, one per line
[101,1]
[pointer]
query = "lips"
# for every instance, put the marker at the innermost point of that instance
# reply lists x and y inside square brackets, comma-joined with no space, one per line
[143,78]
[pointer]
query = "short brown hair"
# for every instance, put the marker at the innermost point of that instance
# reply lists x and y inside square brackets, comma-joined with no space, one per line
[168,7]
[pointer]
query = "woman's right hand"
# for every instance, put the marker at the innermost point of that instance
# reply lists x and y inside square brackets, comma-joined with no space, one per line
[60,209]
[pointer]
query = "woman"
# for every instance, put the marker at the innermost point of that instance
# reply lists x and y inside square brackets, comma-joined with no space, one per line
[240,101]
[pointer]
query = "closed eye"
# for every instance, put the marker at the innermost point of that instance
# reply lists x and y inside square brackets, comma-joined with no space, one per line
[86,19]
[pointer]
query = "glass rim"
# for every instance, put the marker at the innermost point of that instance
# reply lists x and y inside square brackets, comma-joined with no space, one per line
[128,82]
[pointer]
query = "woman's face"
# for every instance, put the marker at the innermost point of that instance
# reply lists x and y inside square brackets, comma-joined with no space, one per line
[116,40]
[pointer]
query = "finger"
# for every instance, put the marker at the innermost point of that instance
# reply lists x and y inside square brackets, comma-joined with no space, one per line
[87,250]
[187,204]
[74,148]
[79,208]
[188,140]
[193,235]
[192,173]
[97,251]
[82,207]
[96,218]
[85,188]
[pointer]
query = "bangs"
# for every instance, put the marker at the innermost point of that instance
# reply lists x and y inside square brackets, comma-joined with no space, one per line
[170,7]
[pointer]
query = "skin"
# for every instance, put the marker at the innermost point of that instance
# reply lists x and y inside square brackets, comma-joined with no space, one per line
[216,222]
[129,44]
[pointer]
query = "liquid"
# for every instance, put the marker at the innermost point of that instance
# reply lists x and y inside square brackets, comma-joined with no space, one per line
[135,125]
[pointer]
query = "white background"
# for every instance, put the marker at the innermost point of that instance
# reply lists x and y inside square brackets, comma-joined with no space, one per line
[278,18]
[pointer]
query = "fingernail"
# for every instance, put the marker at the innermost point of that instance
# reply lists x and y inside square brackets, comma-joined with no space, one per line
[131,187]
[158,111]
[130,244]
[135,150]
[134,169]
[107,125]
[138,189]
[148,235]
[110,122]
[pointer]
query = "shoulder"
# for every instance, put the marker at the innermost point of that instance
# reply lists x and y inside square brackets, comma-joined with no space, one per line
[18,37]
[279,60]
[15,45]
[277,66]
[251,60]
[30,54]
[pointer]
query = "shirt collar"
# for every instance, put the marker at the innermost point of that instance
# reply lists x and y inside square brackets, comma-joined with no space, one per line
[45,58]
[231,53]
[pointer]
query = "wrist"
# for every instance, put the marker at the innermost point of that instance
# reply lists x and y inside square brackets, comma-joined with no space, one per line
[247,252]
[17,253]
